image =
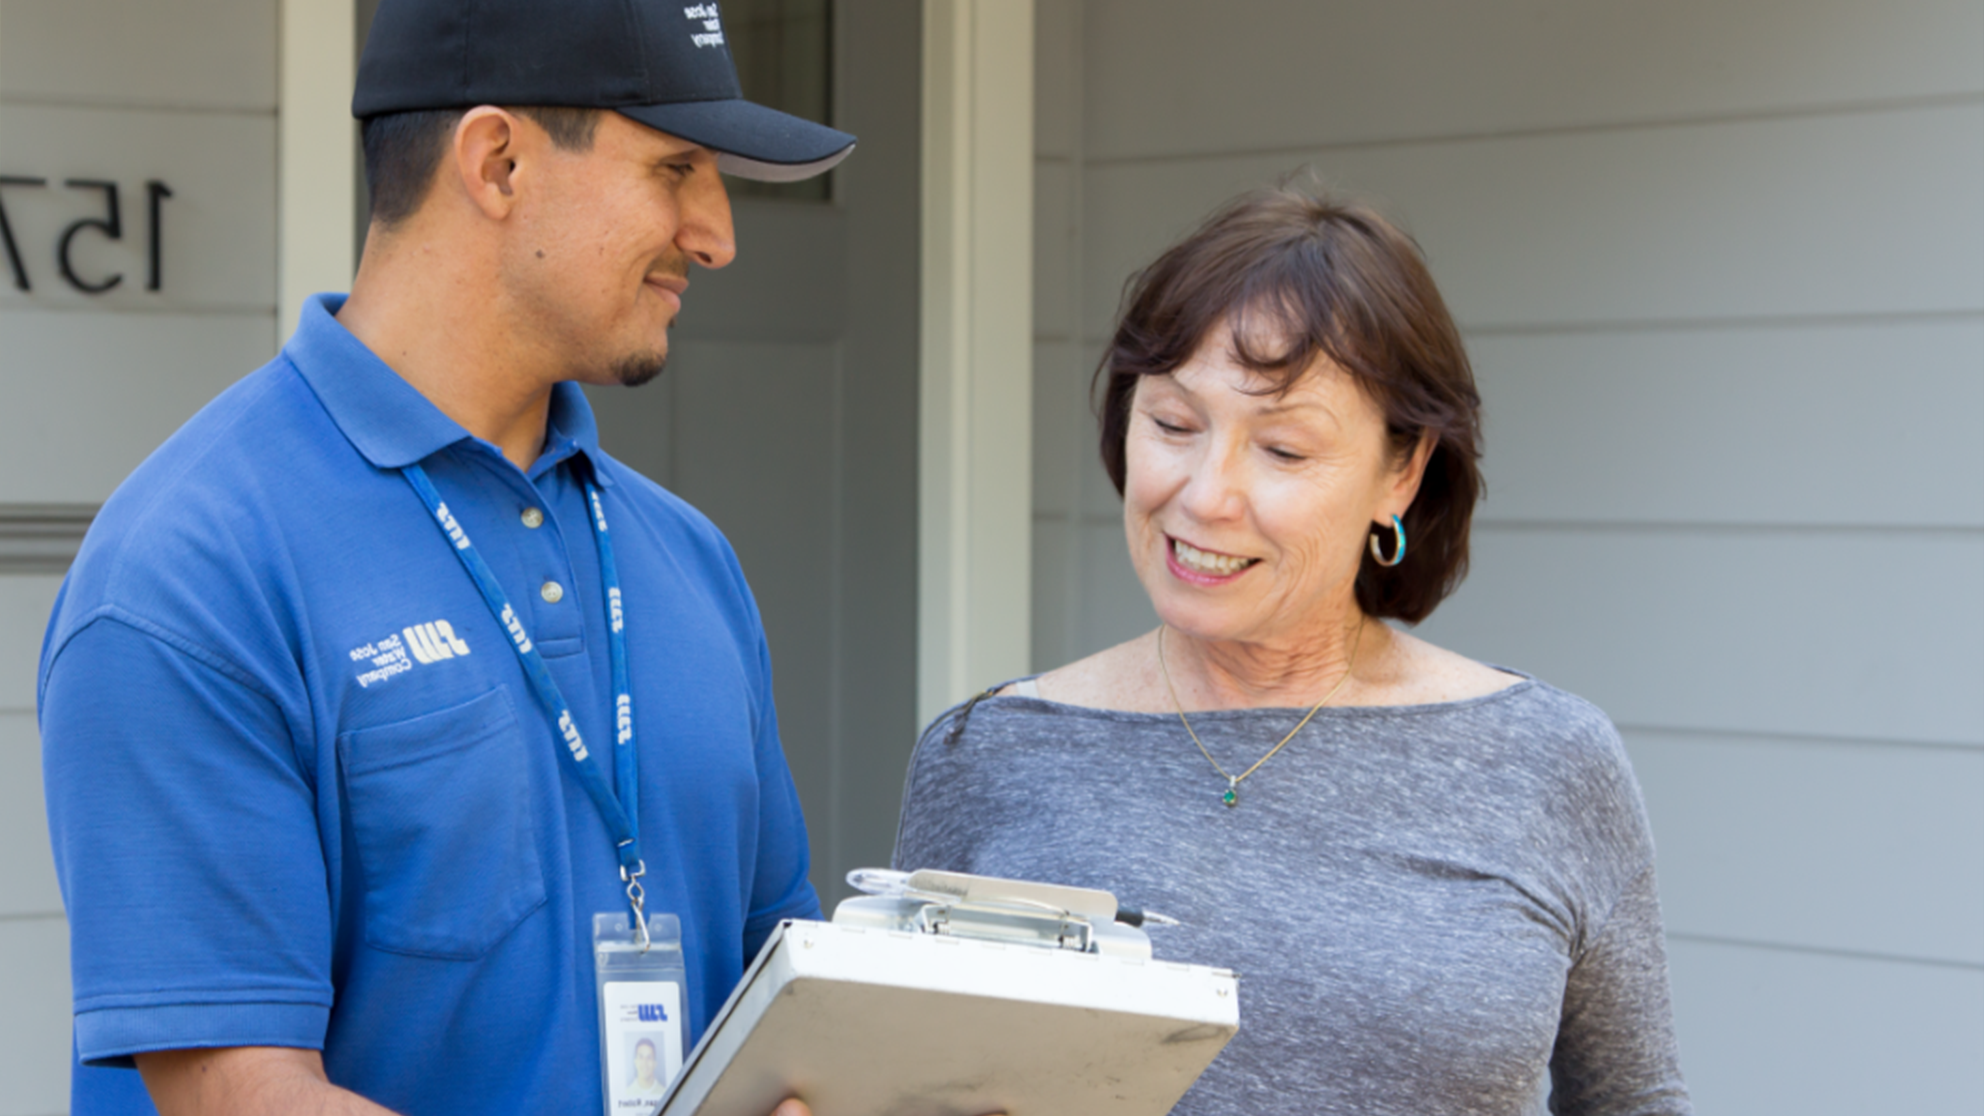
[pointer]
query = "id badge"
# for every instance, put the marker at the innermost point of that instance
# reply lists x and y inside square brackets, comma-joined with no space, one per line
[641,996]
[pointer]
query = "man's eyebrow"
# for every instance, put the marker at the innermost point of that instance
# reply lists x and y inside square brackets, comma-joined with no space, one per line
[676,155]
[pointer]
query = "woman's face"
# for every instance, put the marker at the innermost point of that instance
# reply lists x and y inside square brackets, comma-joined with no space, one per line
[1246,510]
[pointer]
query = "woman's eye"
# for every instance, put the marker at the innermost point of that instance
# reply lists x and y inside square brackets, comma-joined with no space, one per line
[1280,454]
[1168,427]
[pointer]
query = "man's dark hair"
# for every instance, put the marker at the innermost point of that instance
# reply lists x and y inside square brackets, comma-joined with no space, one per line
[1286,276]
[402,150]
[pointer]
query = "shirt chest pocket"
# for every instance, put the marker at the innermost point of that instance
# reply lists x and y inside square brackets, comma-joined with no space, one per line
[440,814]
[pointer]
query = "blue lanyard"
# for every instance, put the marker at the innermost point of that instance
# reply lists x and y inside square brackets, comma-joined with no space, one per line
[621,813]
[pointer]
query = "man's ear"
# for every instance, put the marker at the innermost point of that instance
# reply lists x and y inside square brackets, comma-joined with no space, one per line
[485,148]
[1405,482]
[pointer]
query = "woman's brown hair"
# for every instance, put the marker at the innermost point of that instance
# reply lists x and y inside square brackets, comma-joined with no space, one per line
[1319,277]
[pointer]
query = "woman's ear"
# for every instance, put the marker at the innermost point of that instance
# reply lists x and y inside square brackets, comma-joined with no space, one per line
[1406,476]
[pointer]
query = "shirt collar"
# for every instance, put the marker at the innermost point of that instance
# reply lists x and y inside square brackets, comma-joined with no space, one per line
[571,430]
[390,423]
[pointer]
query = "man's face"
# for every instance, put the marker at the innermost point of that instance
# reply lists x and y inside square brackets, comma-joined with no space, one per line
[599,257]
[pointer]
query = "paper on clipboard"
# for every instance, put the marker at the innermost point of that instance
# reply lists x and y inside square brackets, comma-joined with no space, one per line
[862,1021]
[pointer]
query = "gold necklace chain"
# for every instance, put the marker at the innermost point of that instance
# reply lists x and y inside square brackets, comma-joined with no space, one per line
[1232,795]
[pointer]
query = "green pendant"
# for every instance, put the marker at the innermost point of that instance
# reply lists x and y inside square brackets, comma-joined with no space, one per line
[1232,795]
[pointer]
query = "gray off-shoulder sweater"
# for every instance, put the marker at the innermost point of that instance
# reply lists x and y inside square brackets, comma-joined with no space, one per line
[1433,909]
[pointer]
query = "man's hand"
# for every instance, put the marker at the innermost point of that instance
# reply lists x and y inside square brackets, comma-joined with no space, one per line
[253,1081]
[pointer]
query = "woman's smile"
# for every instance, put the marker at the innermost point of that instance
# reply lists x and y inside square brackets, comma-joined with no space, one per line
[1204,567]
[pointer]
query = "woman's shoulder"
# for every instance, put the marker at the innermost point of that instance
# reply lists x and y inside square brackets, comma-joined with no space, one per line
[1118,678]
[1569,737]
[1564,740]
[1414,672]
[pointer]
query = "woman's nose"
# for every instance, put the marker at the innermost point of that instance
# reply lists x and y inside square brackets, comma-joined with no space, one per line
[1215,488]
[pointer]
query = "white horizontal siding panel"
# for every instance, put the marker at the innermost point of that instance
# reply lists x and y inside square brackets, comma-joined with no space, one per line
[1057,76]
[1858,213]
[1766,1031]
[1172,77]
[1826,424]
[34,1017]
[1789,632]
[210,54]
[27,865]
[1054,250]
[25,603]
[93,394]
[1052,552]
[1114,606]
[1099,497]
[1060,427]
[217,230]
[1859,847]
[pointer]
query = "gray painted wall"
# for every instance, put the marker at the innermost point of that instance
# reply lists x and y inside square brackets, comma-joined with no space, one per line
[1721,270]
[788,415]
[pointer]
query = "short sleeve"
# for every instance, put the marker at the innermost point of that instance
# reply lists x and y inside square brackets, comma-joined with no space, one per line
[1615,1053]
[779,888]
[187,846]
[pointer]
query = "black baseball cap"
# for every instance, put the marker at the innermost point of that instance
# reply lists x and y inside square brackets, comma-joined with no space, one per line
[663,63]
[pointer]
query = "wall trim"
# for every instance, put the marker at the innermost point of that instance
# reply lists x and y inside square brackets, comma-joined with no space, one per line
[975,486]
[316,161]
[42,538]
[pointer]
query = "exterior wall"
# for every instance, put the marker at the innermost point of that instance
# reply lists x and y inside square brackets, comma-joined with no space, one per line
[1721,270]
[788,414]
[184,93]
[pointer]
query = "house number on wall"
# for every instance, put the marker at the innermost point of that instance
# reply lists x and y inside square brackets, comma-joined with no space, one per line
[110,226]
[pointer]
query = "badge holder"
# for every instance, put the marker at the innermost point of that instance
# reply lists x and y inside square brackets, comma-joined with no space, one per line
[641,997]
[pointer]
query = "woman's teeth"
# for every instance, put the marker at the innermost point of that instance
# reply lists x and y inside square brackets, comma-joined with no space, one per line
[1200,561]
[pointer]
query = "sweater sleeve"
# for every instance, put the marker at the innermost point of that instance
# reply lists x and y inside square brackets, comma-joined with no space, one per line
[1615,1053]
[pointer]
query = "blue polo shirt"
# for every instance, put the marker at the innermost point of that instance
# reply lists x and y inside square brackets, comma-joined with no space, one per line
[282,816]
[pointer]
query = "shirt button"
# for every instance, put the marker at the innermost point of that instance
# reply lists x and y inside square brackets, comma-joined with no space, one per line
[552,592]
[533,518]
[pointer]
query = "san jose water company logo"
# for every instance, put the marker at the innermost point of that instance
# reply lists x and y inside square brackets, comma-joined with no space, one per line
[430,642]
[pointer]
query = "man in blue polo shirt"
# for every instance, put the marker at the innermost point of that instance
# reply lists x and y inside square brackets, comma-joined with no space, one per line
[379,679]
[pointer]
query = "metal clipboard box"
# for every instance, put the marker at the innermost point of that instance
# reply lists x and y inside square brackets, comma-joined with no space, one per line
[957,996]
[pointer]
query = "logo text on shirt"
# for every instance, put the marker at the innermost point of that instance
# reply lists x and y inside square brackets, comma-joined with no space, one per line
[434,641]
[397,653]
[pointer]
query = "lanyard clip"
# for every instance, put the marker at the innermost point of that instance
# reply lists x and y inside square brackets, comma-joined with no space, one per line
[637,898]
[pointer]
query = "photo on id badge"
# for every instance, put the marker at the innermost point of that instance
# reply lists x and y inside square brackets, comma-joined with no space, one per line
[643,1043]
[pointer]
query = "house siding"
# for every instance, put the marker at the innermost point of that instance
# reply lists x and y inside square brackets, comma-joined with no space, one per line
[1720,268]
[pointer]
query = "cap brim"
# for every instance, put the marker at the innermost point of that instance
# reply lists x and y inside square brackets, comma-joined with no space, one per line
[751,141]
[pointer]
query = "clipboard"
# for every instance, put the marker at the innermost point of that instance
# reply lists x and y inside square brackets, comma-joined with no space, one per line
[960,1003]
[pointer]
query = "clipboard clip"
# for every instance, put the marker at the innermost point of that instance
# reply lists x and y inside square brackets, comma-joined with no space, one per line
[986,908]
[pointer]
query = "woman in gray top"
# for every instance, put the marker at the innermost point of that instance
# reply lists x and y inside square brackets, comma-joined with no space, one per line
[1435,877]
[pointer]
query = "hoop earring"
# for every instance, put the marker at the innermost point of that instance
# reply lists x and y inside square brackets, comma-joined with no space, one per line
[1398,555]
